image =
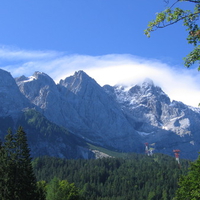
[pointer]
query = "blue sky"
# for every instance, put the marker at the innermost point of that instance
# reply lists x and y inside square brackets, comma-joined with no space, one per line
[90,27]
[105,38]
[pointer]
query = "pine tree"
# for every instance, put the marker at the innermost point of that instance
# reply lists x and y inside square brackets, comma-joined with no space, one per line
[9,167]
[27,186]
[2,169]
[17,180]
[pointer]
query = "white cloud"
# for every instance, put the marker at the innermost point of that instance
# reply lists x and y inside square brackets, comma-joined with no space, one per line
[178,82]
[12,53]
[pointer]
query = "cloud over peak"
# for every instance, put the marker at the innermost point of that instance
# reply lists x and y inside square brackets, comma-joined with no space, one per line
[178,82]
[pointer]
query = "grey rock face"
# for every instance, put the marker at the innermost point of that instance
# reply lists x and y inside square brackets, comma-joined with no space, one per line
[11,99]
[115,117]
[159,121]
[101,119]
[79,104]
[41,90]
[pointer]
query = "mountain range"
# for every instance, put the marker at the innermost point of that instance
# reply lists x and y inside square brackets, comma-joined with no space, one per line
[66,119]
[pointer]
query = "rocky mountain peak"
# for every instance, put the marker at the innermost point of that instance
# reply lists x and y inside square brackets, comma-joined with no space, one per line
[120,117]
[41,75]
[37,78]
[148,88]
[147,83]
[42,78]
[81,74]
[21,78]
[78,82]
[149,91]
[78,75]
[5,78]
[11,100]
[36,87]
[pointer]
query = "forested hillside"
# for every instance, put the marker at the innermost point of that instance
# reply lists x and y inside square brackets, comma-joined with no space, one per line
[136,177]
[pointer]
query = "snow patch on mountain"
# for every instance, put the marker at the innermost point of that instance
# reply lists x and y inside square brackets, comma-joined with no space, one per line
[118,117]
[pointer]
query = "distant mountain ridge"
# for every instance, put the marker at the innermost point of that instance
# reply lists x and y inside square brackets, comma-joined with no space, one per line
[115,117]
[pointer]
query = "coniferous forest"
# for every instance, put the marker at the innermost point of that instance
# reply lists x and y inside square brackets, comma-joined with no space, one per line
[132,177]
[137,177]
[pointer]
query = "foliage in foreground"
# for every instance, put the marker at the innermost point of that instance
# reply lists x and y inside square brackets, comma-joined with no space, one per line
[189,185]
[171,15]
[139,177]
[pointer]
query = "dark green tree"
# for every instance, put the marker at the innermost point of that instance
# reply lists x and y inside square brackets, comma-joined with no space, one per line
[2,169]
[134,177]
[26,181]
[190,184]
[171,15]
[17,180]
[9,167]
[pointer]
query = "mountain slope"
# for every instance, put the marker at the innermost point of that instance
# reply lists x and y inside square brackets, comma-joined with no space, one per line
[79,104]
[101,116]
[46,138]
[117,117]
[166,124]
[11,99]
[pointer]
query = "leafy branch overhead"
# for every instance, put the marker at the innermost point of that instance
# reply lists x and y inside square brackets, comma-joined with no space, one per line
[190,19]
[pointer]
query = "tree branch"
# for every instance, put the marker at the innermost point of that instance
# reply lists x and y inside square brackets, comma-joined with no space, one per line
[171,23]
[193,1]
[174,4]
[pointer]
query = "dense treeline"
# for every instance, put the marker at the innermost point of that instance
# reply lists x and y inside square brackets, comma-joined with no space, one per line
[17,179]
[138,177]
